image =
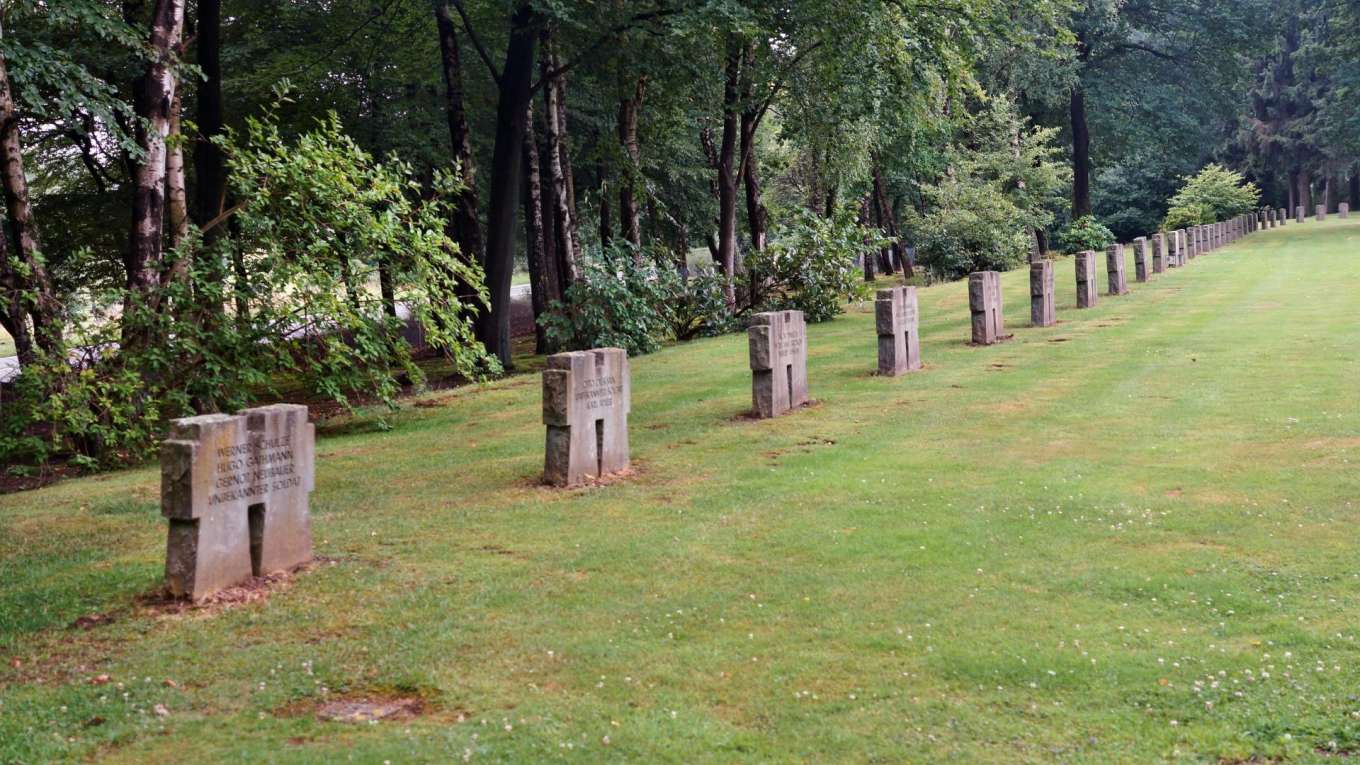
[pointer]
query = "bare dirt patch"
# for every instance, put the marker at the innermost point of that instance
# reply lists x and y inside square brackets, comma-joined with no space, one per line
[255,590]
[361,707]
[366,710]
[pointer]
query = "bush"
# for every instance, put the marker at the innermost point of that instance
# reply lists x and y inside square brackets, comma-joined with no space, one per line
[698,307]
[1185,216]
[1215,194]
[1005,175]
[809,265]
[317,220]
[614,304]
[617,303]
[1086,233]
[973,228]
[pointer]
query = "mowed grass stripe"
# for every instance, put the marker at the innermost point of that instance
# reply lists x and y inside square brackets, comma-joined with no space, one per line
[1025,553]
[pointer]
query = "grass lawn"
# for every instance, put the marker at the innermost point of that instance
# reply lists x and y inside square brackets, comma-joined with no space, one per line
[1127,538]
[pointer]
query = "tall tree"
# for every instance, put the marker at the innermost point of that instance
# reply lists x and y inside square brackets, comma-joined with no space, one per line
[155,103]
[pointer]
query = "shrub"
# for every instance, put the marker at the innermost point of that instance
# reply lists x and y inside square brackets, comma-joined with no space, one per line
[1086,233]
[1005,175]
[809,265]
[1185,216]
[614,303]
[317,220]
[699,306]
[1214,194]
[972,228]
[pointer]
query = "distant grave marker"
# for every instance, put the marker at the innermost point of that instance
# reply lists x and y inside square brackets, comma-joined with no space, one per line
[235,488]
[1298,214]
[1159,253]
[1140,259]
[1343,210]
[587,396]
[984,301]
[1114,269]
[1087,291]
[1321,213]
[1042,310]
[899,338]
[778,345]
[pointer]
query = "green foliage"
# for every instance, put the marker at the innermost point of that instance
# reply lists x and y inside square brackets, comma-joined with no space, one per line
[1214,194]
[317,218]
[1005,178]
[635,301]
[809,265]
[613,304]
[698,305]
[1185,216]
[1086,233]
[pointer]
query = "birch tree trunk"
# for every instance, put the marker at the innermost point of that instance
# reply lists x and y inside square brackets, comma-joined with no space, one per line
[567,242]
[629,219]
[155,101]
[177,198]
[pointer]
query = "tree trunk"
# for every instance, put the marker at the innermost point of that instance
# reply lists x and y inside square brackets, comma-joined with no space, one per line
[543,282]
[512,108]
[466,224]
[1355,187]
[1081,155]
[755,209]
[606,219]
[25,287]
[13,307]
[548,212]
[385,285]
[869,274]
[727,177]
[564,149]
[1292,182]
[756,214]
[568,241]
[177,198]
[889,225]
[155,98]
[629,221]
[1306,192]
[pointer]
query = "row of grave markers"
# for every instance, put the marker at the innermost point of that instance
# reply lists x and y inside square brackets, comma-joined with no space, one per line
[236,488]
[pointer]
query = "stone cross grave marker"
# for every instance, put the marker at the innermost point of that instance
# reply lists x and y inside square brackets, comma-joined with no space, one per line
[1042,311]
[586,399]
[1159,252]
[1087,291]
[778,342]
[1140,259]
[984,301]
[1114,269]
[235,488]
[899,339]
